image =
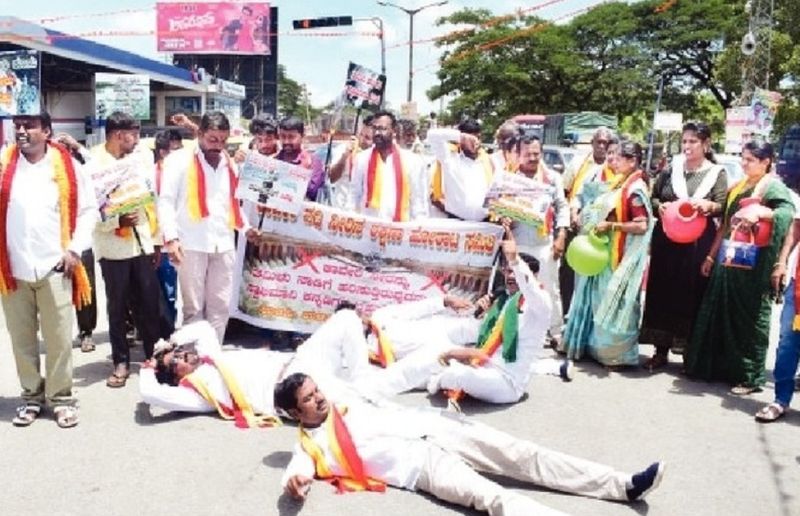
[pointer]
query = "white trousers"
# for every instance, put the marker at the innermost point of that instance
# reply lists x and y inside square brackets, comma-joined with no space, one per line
[206,283]
[460,448]
[548,276]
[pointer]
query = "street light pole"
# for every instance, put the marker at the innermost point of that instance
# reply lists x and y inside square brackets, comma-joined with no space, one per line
[378,22]
[411,13]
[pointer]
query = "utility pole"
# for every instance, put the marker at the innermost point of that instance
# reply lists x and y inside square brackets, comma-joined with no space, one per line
[378,22]
[411,13]
[756,48]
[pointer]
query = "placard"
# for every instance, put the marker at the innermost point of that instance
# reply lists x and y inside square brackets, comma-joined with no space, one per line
[127,93]
[20,79]
[273,184]
[364,87]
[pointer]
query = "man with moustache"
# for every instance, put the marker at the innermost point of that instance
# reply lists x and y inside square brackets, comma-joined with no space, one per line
[548,241]
[47,213]
[125,245]
[265,138]
[389,182]
[198,214]
[290,133]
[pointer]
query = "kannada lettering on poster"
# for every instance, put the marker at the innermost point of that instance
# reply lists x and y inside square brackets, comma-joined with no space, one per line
[119,187]
[20,80]
[272,183]
[127,93]
[364,87]
[305,264]
[521,199]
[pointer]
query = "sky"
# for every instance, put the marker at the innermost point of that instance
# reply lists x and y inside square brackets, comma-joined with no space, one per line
[318,62]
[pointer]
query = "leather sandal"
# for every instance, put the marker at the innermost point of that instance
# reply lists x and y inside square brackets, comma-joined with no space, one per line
[657,361]
[744,390]
[26,414]
[118,378]
[66,416]
[769,413]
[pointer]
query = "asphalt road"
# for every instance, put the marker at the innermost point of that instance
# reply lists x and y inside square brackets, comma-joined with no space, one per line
[127,459]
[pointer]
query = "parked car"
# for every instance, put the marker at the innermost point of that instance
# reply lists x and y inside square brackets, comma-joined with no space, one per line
[788,163]
[558,158]
[733,167]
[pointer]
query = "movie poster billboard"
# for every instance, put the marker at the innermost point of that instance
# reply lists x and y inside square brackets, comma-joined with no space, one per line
[20,80]
[128,93]
[364,87]
[304,265]
[763,109]
[213,27]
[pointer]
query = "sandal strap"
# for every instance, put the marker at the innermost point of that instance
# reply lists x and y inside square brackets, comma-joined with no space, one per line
[27,409]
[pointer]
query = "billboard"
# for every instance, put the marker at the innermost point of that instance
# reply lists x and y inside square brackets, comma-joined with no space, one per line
[20,80]
[213,27]
[122,92]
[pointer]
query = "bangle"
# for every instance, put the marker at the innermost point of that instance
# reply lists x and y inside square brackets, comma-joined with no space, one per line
[709,259]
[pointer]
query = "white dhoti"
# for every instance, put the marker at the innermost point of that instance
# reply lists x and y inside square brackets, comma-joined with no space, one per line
[548,276]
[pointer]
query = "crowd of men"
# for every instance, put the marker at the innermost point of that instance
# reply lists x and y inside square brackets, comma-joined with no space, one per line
[185,240]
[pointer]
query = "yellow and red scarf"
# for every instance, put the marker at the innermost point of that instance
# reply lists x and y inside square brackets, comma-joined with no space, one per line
[67,183]
[622,214]
[242,413]
[606,175]
[197,194]
[384,357]
[375,178]
[345,453]
[437,185]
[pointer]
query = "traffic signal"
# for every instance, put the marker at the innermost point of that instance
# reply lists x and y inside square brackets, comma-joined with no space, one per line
[315,23]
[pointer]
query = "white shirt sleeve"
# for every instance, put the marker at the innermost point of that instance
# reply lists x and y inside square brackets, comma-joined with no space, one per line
[301,464]
[87,215]
[537,300]
[172,180]
[560,205]
[408,311]
[200,332]
[168,397]
[439,141]
[357,181]
[420,191]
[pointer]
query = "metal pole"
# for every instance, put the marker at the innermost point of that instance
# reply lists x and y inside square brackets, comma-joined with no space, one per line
[410,54]
[653,130]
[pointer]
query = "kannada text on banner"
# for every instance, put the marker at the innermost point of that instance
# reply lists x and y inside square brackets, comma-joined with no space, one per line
[120,187]
[521,199]
[128,93]
[304,265]
[272,183]
[213,27]
[19,83]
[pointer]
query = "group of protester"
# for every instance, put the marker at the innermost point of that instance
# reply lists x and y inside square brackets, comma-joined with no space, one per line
[486,349]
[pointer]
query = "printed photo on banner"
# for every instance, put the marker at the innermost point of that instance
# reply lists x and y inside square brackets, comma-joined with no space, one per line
[127,93]
[120,187]
[213,27]
[273,184]
[521,199]
[763,109]
[305,264]
[20,80]
[364,87]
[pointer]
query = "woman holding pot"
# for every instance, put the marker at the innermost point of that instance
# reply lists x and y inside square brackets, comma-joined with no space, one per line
[692,191]
[604,315]
[731,334]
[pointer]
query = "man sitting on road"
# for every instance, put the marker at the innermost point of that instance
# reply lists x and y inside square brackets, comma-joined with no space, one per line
[365,447]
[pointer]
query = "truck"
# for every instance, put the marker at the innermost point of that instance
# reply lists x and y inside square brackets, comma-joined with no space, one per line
[565,129]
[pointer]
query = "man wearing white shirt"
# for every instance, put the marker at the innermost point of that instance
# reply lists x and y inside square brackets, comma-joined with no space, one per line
[125,245]
[198,214]
[362,446]
[463,172]
[388,181]
[547,242]
[47,213]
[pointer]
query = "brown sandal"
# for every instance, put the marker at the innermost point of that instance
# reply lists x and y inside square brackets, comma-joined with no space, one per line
[118,378]
[657,361]
[770,413]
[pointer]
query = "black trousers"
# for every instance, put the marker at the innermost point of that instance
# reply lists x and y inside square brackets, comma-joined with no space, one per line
[131,283]
[87,316]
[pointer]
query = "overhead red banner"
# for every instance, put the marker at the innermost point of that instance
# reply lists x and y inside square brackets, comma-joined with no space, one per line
[213,28]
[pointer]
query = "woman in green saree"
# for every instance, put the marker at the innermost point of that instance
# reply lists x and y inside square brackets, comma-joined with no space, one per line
[731,333]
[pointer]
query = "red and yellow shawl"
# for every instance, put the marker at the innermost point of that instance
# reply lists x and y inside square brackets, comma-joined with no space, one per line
[65,177]
[375,178]
[197,194]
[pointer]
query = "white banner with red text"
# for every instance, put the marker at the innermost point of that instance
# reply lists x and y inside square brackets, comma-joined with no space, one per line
[304,265]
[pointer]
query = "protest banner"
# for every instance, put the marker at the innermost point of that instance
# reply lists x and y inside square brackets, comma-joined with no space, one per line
[364,87]
[120,187]
[213,27]
[20,79]
[763,109]
[307,263]
[273,184]
[128,93]
[521,199]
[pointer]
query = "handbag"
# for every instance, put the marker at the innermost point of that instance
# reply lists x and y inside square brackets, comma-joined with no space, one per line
[738,254]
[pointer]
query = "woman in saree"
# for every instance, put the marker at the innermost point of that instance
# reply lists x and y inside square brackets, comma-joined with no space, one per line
[605,312]
[731,334]
[669,312]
